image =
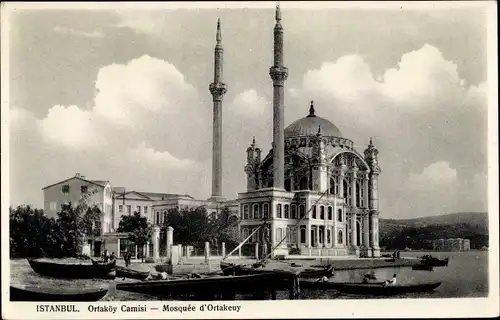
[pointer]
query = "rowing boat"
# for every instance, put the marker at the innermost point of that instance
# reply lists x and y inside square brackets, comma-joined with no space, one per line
[32,293]
[374,288]
[210,287]
[435,262]
[74,271]
[423,266]
[241,269]
[124,272]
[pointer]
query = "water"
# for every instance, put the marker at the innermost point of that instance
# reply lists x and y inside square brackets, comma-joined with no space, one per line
[465,276]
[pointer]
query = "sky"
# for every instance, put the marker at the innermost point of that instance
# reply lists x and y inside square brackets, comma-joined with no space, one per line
[122,95]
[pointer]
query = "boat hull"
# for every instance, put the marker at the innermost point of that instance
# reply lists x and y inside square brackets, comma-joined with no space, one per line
[122,272]
[378,288]
[209,288]
[74,271]
[237,270]
[36,294]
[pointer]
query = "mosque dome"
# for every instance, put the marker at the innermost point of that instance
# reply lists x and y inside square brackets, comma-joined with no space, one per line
[308,126]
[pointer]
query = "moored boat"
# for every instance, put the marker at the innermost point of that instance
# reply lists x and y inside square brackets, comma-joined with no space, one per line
[276,267]
[225,287]
[32,293]
[123,272]
[379,288]
[433,261]
[74,271]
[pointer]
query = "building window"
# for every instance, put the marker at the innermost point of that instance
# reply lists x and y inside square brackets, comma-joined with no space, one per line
[245,232]
[65,188]
[302,211]
[339,215]
[302,234]
[288,235]
[288,185]
[246,210]
[322,213]
[53,206]
[287,211]
[279,234]
[256,211]
[344,185]
[330,213]
[314,212]
[129,209]
[138,209]
[84,189]
[165,216]
[358,195]
[266,210]
[328,236]
[294,211]
[341,237]
[145,210]
[120,208]
[332,186]
[303,184]
[157,217]
[278,210]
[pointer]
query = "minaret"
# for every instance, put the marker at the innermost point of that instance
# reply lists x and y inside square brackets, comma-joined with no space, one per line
[279,74]
[371,157]
[217,89]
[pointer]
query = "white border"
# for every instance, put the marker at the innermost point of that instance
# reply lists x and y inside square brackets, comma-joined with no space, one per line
[415,308]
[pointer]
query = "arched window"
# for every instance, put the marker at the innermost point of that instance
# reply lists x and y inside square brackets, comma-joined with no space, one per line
[294,211]
[344,185]
[340,237]
[358,195]
[288,185]
[256,211]
[165,216]
[246,212]
[339,215]
[287,211]
[266,210]
[314,212]
[288,235]
[245,232]
[302,211]
[322,213]
[157,217]
[303,183]
[328,236]
[278,210]
[331,190]
[302,234]
[330,213]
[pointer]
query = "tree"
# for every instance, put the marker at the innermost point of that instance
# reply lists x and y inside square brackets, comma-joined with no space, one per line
[138,229]
[224,228]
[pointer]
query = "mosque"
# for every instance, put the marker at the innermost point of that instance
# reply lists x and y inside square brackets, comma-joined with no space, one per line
[318,195]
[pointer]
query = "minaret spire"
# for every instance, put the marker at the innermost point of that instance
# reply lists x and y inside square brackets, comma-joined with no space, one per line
[217,89]
[279,74]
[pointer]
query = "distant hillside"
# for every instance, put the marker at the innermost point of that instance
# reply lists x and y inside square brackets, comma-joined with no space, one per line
[417,233]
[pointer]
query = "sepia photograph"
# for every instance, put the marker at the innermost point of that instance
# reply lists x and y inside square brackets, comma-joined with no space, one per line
[192,159]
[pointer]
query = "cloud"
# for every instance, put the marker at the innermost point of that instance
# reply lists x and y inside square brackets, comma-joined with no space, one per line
[146,129]
[73,32]
[439,173]
[249,103]
[143,22]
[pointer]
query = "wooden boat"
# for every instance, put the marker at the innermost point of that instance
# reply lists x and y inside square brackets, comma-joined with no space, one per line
[124,272]
[377,288]
[32,293]
[311,272]
[74,271]
[225,287]
[422,266]
[435,262]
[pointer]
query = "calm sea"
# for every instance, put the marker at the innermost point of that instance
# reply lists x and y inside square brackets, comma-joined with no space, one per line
[465,276]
